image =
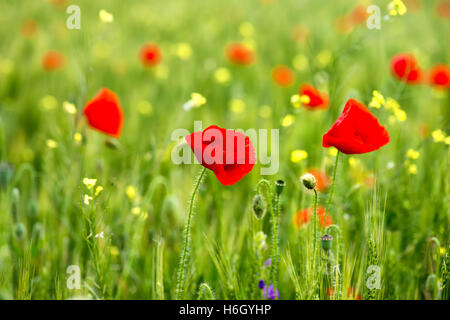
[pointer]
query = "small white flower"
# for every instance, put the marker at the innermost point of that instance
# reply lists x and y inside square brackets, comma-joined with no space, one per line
[99,235]
[86,199]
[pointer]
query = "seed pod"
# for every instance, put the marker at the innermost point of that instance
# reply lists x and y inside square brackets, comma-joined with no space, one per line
[6,173]
[20,231]
[259,206]
[326,241]
[33,209]
[279,186]
[309,181]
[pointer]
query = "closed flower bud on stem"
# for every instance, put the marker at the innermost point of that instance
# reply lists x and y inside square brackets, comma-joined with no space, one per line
[259,206]
[309,181]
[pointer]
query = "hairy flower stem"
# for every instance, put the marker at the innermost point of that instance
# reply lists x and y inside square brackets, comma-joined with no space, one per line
[330,197]
[187,238]
[275,225]
[315,222]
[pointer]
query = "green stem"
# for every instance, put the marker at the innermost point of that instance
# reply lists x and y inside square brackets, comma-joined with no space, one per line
[331,189]
[315,222]
[187,237]
[274,259]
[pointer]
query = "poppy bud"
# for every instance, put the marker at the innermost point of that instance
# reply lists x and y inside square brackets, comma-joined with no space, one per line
[326,241]
[112,144]
[20,231]
[259,206]
[309,181]
[432,287]
[279,186]
[33,209]
[6,173]
[15,202]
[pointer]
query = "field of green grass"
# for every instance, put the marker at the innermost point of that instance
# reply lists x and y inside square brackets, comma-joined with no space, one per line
[63,237]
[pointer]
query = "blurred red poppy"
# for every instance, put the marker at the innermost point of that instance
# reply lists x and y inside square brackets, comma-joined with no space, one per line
[439,76]
[29,28]
[228,153]
[239,53]
[300,33]
[350,293]
[406,68]
[283,76]
[323,181]
[52,60]
[356,131]
[304,216]
[317,99]
[150,55]
[443,9]
[358,15]
[104,113]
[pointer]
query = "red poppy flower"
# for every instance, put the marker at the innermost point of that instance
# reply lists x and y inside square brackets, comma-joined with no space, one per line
[443,9]
[150,55]
[29,28]
[406,68]
[304,216]
[356,131]
[350,293]
[300,33]
[323,181]
[239,53]
[229,154]
[358,15]
[283,76]
[440,76]
[104,113]
[52,60]
[317,99]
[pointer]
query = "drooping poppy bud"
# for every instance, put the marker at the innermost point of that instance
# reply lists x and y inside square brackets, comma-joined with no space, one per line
[259,206]
[104,113]
[309,181]
[356,131]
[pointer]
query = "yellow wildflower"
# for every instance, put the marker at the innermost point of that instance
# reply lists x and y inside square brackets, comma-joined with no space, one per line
[90,183]
[288,120]
[184,50]
[136,210]
[413,154]
[48,102]
[69,107]
[412,169]
[246,29]
[145,107]
[98,190]
[52,144]
[222,75]
[237,106]
[397,7]
[114,251]
[131,192]
[265,111]
[300,62]
[400,115]
[332,151]
[324,58]
[77,137]
[377,100]
[298,155]
[105,16]
[438,135]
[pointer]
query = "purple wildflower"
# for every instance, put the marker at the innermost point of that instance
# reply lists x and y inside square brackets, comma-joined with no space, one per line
[271,292]
[261,284]
[268,261]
